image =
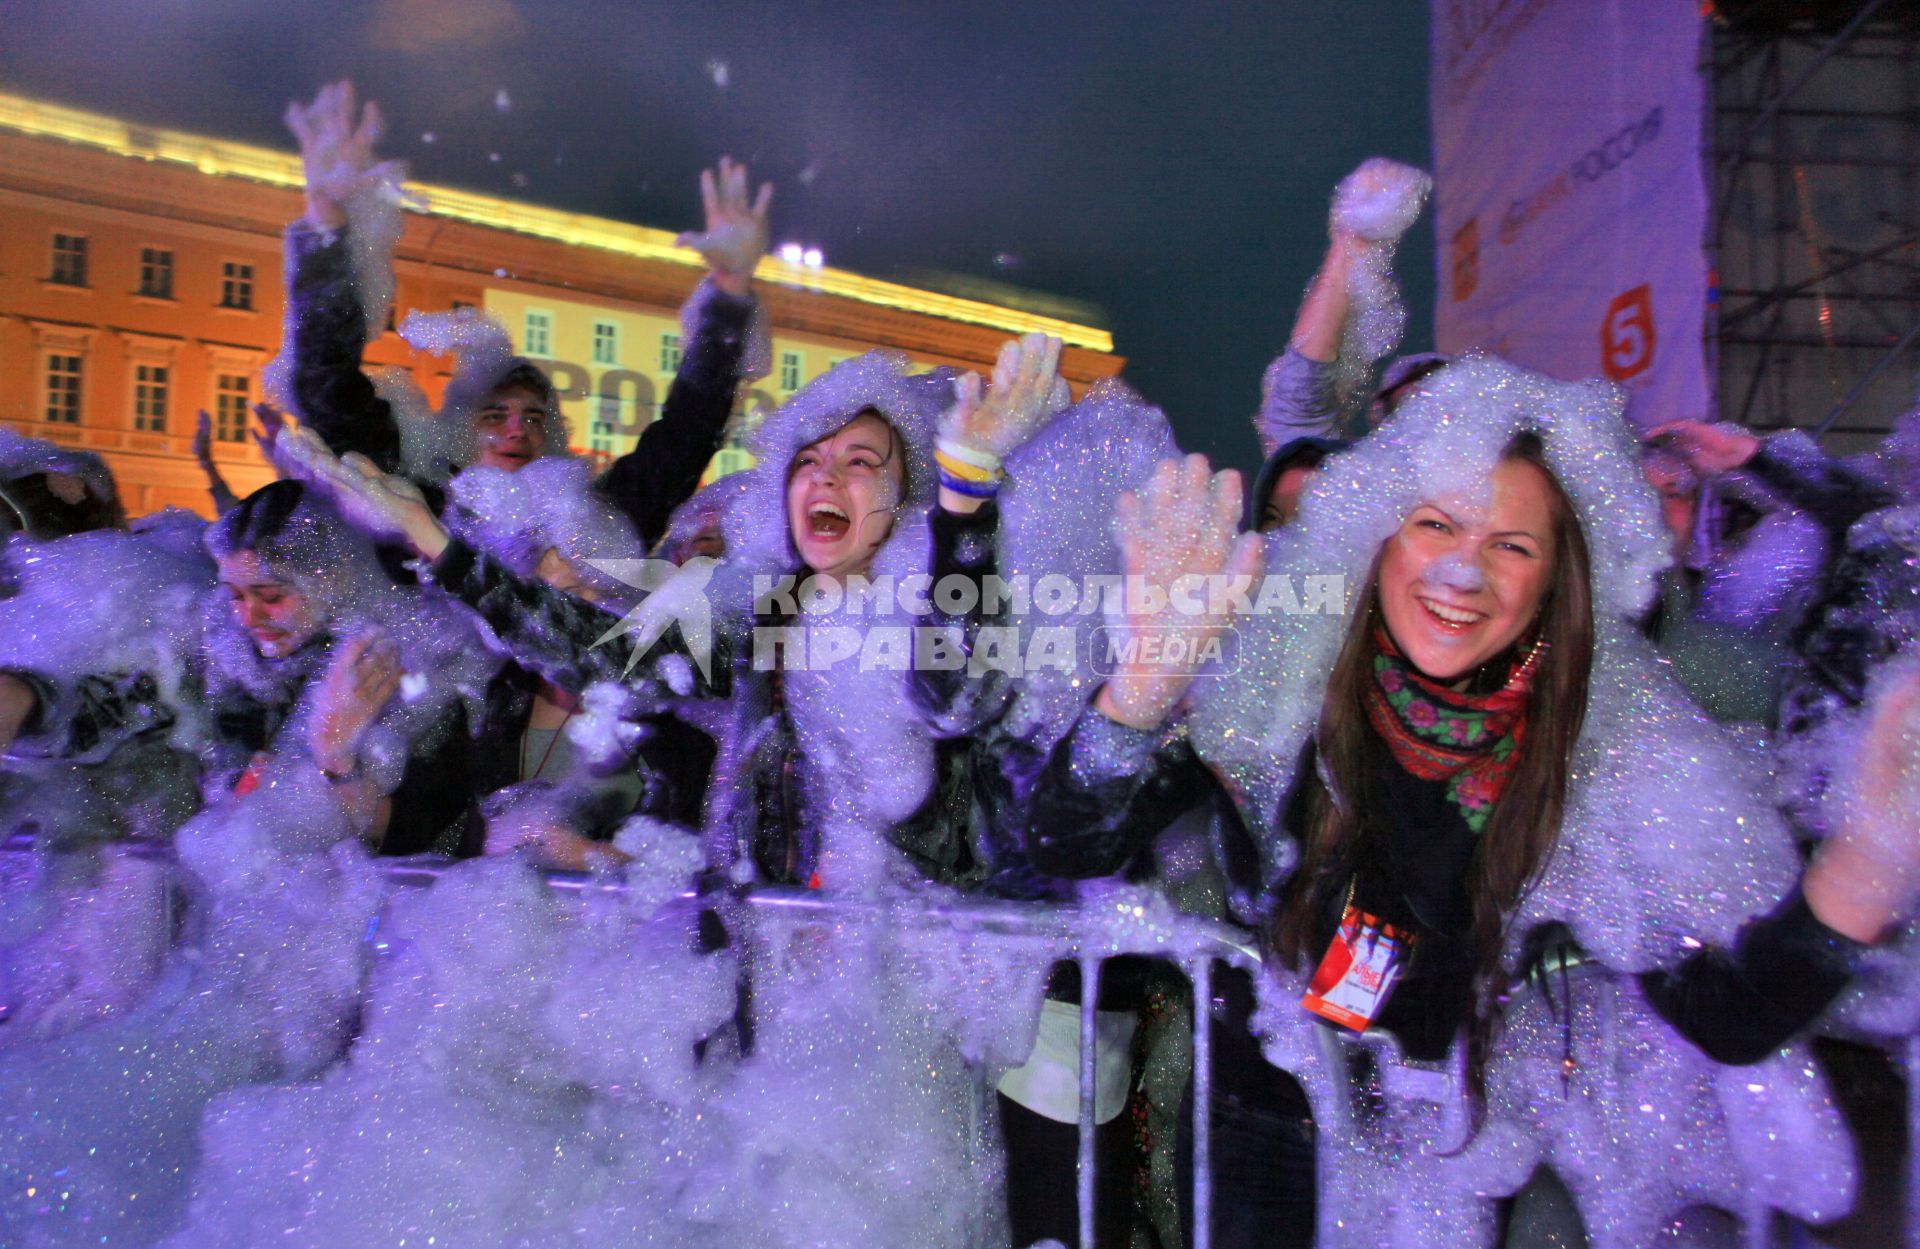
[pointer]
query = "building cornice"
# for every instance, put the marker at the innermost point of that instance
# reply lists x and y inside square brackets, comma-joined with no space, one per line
[222,158]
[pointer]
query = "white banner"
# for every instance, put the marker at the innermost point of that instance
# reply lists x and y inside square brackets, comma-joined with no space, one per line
[1570,198]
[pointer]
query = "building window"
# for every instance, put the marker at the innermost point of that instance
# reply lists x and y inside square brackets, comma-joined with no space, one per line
[231,395]
[669,353]
[150,384]
[538,338]
[63,389]
[156,273]
[605,421]
[606,342]
[236,285]
[790,366]
[69,260]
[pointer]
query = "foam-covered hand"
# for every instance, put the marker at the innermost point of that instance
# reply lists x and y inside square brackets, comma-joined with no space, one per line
[1379,201]
[361,678]
[1026,391]
[336,146]
[1866,875]
[737,232]
[385,508]
[1180,554]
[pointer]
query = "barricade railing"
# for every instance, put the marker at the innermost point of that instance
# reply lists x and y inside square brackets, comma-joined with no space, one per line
[1083,934]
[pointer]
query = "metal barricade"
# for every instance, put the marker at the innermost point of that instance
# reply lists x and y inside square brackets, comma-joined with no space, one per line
[1080,934]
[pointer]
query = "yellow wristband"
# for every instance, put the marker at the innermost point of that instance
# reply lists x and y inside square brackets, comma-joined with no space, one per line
[963,470]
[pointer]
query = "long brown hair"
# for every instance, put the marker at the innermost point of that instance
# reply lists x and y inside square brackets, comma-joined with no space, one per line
[1343,827]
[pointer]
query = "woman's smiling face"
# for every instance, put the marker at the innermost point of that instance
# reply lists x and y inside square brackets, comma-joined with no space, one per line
[1458,585]
[841,496]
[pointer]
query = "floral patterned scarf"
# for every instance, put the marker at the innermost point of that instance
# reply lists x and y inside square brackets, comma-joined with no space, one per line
[1470,741]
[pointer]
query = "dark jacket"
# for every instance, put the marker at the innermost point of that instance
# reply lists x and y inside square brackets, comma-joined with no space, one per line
[558,636]
[435,806]
[1096,801]
[1865,612]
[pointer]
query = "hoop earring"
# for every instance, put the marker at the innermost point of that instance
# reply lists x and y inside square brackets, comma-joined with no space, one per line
[1523,675]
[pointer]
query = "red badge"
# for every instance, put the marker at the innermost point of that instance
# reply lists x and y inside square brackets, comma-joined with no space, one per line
[1359,970]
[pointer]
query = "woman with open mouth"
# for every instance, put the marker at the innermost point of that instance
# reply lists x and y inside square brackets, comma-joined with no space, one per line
[829,765]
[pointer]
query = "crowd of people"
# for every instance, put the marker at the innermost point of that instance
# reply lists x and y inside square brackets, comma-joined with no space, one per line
[1598,772]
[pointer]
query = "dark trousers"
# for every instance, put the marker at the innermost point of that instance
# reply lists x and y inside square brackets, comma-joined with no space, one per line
[1042,1196]
[1261,1133]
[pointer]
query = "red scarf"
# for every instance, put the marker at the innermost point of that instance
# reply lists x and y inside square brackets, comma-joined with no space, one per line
[1470,741]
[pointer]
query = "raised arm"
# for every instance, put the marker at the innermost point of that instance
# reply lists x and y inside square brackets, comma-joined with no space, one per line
[984,424]
[567,640]
[663,470]
[1351,315]
[327,326]
[1786,968]
[1094,801]
[223,496]
[1831,493]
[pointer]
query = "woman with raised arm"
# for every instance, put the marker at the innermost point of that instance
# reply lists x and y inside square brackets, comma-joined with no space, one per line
[839,767]
[844,492]
[1477,777]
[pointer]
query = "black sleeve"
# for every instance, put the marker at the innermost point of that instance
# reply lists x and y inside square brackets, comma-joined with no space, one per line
[1094,803]
[552,632]
[436,806]
[86,720]
[1828,491]
[663,469]
[326,333]
[547,630]
[954,700]
[1739,1006]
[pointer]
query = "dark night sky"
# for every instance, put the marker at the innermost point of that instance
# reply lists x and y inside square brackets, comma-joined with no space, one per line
[1168,161]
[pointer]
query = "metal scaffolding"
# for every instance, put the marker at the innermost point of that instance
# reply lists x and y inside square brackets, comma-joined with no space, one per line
[1813,146]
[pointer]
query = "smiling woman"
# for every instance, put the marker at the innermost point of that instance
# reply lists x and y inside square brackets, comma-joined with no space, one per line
[1459,585]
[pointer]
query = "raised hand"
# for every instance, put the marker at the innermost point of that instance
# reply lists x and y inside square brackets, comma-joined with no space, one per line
[1027,389]
[273,422]
[203,440]
[223,496]
[1709,448]
[385,508]
[1179,551]
[1379,201]
[361,677]
[737,232]
[336,145]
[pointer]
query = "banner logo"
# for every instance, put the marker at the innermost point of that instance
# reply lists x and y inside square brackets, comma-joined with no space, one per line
[1626,334]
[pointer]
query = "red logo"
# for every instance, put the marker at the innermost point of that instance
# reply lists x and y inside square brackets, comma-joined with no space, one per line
[1626,334]
[1465,259]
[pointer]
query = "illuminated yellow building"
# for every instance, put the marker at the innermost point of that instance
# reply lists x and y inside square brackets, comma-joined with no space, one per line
[140,282]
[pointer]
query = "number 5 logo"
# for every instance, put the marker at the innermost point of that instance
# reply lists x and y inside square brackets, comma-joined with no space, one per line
[1626,334]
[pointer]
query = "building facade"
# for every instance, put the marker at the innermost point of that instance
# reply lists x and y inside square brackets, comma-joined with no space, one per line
[140,282]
